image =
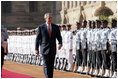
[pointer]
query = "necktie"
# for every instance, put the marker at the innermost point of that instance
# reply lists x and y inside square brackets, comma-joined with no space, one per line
[49,30]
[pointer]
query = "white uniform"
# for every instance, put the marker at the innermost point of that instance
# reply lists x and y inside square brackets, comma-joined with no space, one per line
[15,40]
[10,44]
[68,46]
[104,37]
[98,39]
[74,45]
[78,40]
[23,42]
[57,51]
[83,37]
[93,40]
[63,49]
[113,39]
[33,37]
[89,38]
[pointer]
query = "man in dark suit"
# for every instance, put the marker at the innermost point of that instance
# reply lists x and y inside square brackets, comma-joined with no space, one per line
[47,34]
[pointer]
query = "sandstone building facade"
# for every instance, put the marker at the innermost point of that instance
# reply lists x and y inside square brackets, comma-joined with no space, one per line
[29,14]
[73,11]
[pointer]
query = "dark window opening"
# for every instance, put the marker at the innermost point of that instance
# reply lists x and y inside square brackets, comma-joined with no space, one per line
[33,6]
[6,6]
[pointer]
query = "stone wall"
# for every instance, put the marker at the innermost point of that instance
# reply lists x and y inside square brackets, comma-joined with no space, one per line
[63,12]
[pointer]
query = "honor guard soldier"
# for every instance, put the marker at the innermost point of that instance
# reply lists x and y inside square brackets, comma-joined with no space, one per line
[84,46]
[105,48]
[93,46]
[98,48]
[78,67]
[89,43]
[68,45]
[113,48]
[64,54]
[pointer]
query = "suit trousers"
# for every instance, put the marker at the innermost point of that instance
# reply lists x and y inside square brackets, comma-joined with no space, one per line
[98,59]
[106,59]
[84,55]
[78,57]
[48,65]
[114,61]
[2,56]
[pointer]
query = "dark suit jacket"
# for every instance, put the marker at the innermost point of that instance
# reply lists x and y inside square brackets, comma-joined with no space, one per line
[47,43]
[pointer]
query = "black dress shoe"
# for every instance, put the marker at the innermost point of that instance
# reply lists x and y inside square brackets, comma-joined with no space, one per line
[69,70]
[75,72]
[105,77]
[92,75]
[78,72]
[98,76]
[83,73]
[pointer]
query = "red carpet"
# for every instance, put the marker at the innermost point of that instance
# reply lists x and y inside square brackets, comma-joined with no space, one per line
[9,74]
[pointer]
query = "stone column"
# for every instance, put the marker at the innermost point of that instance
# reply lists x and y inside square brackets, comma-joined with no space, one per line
[66,4]
[78,3]
[63,4]
[70,4]
[81,3]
